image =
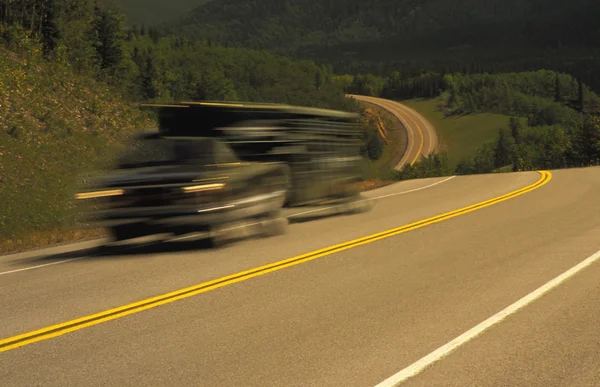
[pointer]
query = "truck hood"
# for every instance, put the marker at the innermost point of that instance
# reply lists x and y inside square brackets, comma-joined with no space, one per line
[164,175]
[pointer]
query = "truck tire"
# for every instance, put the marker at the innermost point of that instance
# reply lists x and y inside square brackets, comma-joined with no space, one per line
[275,225]
[122,232]
[219,236]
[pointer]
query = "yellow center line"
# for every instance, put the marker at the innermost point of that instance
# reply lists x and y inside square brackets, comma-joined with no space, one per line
[136,307]
[406,114]
[426,124]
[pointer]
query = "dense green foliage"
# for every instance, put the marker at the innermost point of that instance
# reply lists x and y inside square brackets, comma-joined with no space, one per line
[150,12]
[412,35]
[290,25]
[561,119]
[149,66]
[547,147]
[174,68]
[503,93]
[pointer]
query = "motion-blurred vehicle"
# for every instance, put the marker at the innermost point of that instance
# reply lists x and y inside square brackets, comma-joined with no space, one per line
[215,168]
[186,187]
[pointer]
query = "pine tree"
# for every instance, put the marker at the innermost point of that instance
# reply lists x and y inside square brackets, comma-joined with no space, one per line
[557,90]
[109,29]
[515,128]
[581,98]
[154,34]
[50,33]
[318,79]
[504,150]
[149,90]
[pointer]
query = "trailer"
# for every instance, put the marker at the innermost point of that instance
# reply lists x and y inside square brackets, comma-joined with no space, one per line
[321,147]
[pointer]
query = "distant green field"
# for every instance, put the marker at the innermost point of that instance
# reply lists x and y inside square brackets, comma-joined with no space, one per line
[460,136]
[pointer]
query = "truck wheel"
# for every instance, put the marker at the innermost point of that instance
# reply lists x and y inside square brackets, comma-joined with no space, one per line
[274,226]
[359,206]
[121,233]
[221,234]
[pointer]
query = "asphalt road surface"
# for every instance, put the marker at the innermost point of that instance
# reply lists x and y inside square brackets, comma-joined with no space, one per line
[422,137]
[461,299]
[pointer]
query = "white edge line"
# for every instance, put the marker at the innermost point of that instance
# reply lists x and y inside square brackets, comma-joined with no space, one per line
[68,260]
[302,213]
[378,197]
[39,266]
[416,189]
[444,350]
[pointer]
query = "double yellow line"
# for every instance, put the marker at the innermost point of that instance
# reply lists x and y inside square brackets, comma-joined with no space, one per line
[112,314]
[421,136]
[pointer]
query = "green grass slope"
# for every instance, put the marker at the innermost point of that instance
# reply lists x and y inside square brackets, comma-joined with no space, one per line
[54,125]
[460,136]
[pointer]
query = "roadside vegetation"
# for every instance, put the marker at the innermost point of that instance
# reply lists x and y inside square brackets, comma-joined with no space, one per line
[386,141]
[54,126]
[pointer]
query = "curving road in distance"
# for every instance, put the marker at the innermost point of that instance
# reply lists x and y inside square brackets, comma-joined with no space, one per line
[480,280]
[422,137]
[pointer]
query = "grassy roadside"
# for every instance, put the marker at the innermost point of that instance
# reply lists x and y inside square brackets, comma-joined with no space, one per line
[54,126]
[48,238]
[395,142]
[395,136]
[460,136]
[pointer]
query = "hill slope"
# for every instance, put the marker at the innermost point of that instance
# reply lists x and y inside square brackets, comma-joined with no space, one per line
[435,23]
[394,30]
[53,125]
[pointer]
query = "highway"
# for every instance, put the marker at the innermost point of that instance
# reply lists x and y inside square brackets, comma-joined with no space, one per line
[480,280]
[422,137]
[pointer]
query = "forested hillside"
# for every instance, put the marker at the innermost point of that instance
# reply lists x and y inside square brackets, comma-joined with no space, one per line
[437,23]
[412,35]
[95,40]
[71,75]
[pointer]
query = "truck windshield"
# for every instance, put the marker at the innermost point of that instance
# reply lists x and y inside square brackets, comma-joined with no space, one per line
[158,151]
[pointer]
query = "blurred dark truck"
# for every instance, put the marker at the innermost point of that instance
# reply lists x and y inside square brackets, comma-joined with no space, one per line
[214,167]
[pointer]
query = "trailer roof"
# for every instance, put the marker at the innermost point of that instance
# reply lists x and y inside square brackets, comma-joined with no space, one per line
[274,108]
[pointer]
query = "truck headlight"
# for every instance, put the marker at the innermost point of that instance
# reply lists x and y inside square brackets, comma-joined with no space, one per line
[99,194]
[204,194]
[202,187]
